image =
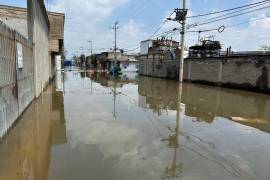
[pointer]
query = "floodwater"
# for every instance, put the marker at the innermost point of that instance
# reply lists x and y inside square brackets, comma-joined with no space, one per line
[94,127]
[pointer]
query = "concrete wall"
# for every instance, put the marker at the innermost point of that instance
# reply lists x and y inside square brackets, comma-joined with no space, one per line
[246,72]
[156,66]
[19,19]
[240,72]
[39,34]
[15,18]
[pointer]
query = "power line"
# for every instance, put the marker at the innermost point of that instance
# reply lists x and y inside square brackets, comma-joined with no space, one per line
[167,32]
[228,17]
[226,10]
[154,33]
[133,49]
[161,25]
[232,13]
[246,22]
[86,32]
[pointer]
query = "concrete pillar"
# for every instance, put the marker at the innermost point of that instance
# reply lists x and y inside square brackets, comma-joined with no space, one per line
[220,72]
[189,71]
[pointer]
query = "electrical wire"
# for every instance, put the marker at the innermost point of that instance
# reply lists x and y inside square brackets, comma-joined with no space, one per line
[235,12]
[228,17]
[161,25]
[153,34]
[85,32]
[246,22]
[226,10]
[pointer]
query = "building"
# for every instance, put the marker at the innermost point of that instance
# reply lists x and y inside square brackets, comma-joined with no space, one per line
[104,61]
[160,58]
[15,18]
[45,30]
[207,48]
[166,47]
[56,41]
[25,58]
[38,25]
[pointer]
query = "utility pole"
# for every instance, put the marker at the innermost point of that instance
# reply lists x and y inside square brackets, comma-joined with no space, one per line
[91,46]
[183,32]
[199,36]
[115,27]
[181,18]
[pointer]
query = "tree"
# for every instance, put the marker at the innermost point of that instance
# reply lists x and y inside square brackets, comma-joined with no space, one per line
[76,60]
[82,60]
[94,61]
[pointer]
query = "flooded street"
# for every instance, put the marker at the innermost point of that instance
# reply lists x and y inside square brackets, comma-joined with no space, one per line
[91,126]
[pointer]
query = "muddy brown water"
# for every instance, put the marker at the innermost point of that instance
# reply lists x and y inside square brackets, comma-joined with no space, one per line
[94,127]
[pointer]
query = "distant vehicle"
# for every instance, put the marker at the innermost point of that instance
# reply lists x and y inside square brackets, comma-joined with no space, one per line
[207,48]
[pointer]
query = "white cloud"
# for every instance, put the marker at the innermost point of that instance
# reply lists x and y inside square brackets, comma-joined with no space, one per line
[90,10]
[247,38]
[261,24]
[83,16]
[131,33]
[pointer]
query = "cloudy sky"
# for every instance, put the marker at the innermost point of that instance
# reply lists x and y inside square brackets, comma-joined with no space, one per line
[138,19]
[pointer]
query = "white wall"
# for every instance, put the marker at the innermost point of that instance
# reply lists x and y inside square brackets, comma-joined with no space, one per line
[144,47]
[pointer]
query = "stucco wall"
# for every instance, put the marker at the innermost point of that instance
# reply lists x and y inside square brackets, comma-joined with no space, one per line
[41,43]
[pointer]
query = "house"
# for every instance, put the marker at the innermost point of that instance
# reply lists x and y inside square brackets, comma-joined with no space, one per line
[104,61]
[47,36]
[168,48]
[24,58]
[56,41]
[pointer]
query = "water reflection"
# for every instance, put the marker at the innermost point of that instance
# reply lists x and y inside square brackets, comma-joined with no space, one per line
[139,128]
[206,103]
[25,152]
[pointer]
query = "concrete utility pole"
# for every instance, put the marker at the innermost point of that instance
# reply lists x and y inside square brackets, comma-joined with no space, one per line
[91,44]
[181,18]
[115,27]
[183,32]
